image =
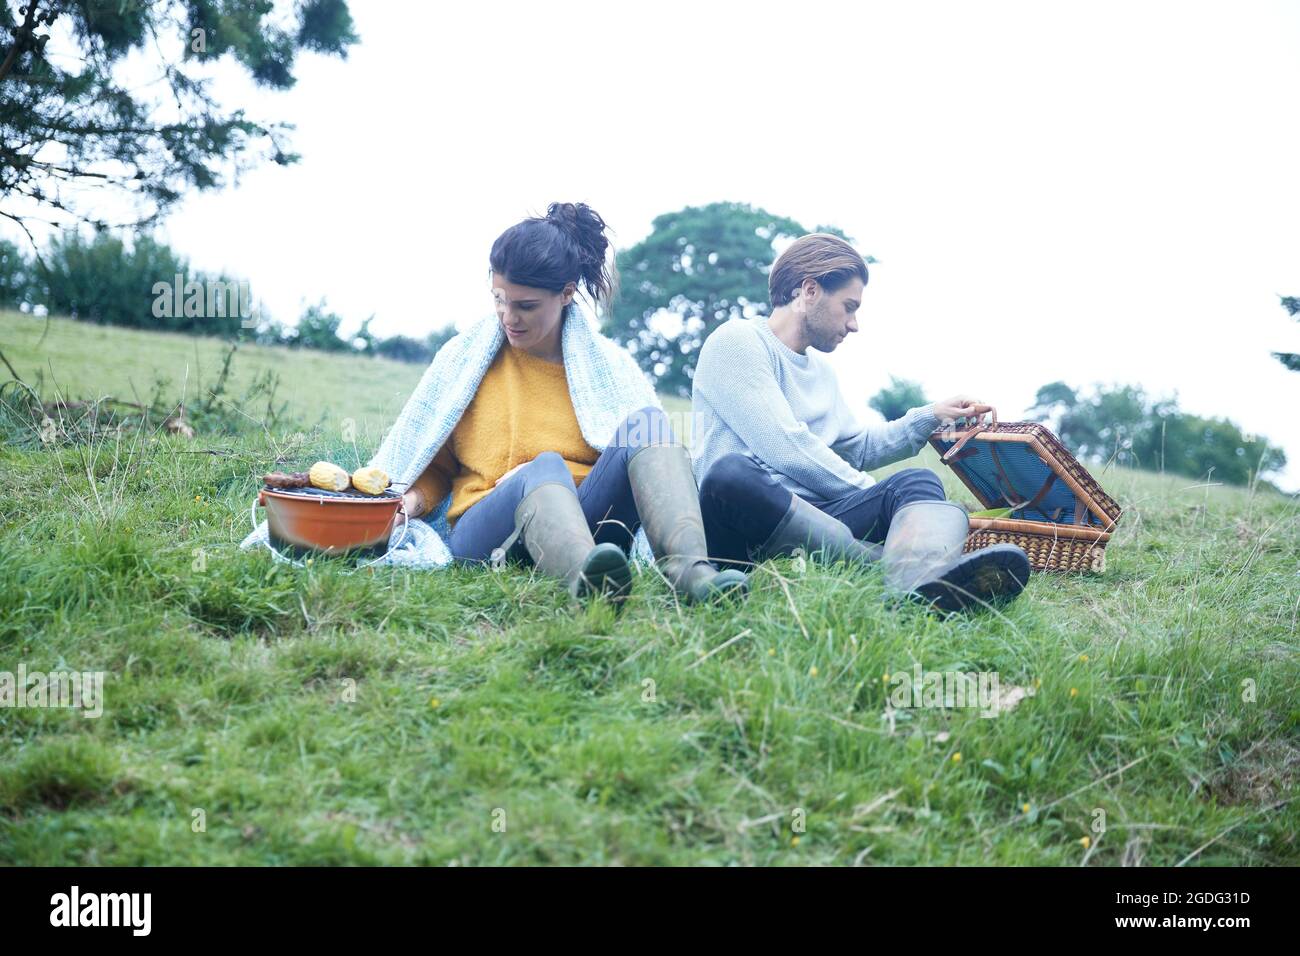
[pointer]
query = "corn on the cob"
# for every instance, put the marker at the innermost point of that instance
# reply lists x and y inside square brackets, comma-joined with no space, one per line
[329,476]
[372,481]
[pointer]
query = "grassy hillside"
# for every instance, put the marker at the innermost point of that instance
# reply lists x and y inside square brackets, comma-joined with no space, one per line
[91,361]
[320,716]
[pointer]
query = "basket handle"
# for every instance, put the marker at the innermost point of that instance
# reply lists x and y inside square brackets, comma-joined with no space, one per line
[970,433]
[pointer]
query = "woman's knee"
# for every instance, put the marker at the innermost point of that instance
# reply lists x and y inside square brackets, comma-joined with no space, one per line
[644,427]
[547,467]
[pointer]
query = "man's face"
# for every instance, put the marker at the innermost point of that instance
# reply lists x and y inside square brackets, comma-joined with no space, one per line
[831,316]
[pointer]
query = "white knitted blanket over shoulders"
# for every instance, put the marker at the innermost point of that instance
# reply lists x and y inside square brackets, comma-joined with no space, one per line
[605,385]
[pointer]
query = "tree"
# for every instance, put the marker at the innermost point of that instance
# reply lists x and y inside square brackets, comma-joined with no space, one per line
[1207,447]
[1121,424]
[1290,359]
[146,284]
[698,267]
[365,341]
[895,400]
[438,338]
[318,329]
[107,281]
[1101,426]
[403,348]
[73,116]
[15,272]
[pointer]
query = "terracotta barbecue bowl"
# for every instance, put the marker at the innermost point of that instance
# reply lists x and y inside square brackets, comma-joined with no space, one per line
[308,521]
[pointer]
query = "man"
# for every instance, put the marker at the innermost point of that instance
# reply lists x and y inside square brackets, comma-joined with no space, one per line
[781,458]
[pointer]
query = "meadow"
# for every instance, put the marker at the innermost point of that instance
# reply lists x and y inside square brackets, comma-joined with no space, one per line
[258,713]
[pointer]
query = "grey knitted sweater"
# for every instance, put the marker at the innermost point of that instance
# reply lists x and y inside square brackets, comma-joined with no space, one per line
[756,396]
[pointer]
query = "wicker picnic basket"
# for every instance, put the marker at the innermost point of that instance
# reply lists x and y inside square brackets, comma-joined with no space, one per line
[1059,514]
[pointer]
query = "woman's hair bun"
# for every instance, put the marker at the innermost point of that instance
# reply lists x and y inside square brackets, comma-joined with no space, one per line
[587,230]
[568,245]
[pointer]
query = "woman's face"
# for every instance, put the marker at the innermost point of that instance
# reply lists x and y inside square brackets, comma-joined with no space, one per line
[530,316]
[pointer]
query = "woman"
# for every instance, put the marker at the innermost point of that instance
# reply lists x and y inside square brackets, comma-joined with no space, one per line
[540,439]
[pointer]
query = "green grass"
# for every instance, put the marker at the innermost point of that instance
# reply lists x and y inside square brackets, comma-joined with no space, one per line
[91,361]
[640,739]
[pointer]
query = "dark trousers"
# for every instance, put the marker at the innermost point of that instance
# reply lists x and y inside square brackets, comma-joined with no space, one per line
[742,505]
[605,494]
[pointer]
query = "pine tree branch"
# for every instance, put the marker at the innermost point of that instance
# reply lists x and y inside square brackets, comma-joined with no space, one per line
[21,35]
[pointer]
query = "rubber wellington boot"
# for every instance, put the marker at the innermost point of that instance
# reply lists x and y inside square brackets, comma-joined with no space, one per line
[923,558]
[668,503]
[550,524]
[807,526]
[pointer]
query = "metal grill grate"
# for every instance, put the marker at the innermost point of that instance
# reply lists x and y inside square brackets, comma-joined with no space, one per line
[311,491]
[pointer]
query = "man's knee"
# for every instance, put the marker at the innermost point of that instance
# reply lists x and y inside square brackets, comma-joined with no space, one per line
[644,427]
[917,484]
[731,476]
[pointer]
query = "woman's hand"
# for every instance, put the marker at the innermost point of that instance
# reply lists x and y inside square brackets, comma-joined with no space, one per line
[414,504]
[961,406]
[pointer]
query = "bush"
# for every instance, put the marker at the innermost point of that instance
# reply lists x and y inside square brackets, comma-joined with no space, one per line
[148,285]
[15,276]
[103,280]
[317,329]
[403,348]
[898,398]
[1123,425]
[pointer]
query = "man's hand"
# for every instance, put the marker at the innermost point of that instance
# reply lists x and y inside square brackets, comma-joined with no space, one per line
[961,406]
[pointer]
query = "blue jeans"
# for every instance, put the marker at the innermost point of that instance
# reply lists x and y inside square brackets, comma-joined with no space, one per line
[742,504]
[605,494]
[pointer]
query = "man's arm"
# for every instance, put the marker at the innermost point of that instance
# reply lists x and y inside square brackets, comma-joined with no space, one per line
[734,375]
[879,445]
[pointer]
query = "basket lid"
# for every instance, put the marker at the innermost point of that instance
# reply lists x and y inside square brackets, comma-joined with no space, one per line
[1023,466]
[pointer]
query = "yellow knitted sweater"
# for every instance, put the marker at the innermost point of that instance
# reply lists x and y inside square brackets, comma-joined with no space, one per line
[521,409]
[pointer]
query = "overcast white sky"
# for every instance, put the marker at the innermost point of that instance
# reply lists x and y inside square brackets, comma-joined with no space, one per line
[1088,192]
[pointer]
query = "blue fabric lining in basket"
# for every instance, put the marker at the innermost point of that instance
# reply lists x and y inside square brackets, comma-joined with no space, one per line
[1027,472]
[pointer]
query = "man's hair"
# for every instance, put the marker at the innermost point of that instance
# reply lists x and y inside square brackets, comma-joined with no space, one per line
[828,259]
